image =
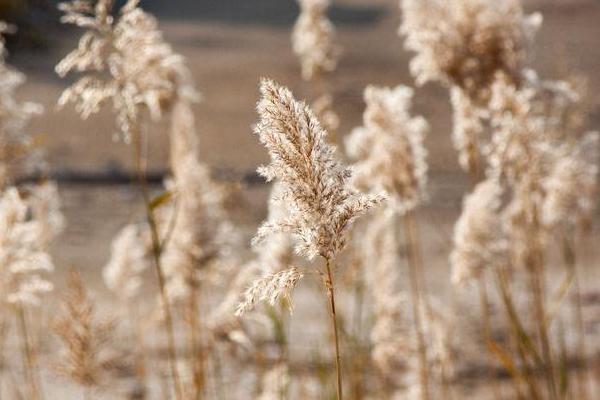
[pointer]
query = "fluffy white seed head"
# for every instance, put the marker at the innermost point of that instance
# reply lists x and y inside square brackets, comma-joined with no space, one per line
[312,39]
[390,333]
[23,253]
[389,148]
[571,186]
[321,203]
[276,252]
[271,288]
[124,60]
[18,153]
[480,240]
[197,221]
[130,257]
[465,43]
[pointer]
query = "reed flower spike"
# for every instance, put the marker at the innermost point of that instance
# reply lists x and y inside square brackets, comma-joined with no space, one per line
[123,59]
[315,185]
[389,148]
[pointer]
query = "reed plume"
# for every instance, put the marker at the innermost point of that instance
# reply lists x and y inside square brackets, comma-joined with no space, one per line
[86,339]
[466,46]
[322,205]
[271,288]
[24,257]
[313,39]
[274,256]
[201,235]
[130,256]
[315,186]
[389,148]
[480,238]
[124,60]
[391,157]
[18,152]
[391,336]
[467,43]
[571,186]
[27,227]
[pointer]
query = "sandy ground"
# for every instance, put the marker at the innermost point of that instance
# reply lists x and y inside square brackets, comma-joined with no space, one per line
[229,45]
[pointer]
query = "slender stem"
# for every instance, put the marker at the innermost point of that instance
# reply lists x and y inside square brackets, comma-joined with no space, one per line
[536,272]
[196,347]
[520,337]
[536,276]
[138,337]
[571,262]
[416,300]
[331,295]
[28,359]
[156,255]
[487,327]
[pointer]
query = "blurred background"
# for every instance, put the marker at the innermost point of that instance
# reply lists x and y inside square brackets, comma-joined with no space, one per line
[229,45]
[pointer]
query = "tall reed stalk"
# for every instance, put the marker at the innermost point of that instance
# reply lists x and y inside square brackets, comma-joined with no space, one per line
[196,345]
[29,364]
[323,204]
[570,257]
[538,289]
[334,323]
[485,315]
[417,300]
[156,255]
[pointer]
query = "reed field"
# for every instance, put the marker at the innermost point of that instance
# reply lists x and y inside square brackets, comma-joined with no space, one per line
[299,199]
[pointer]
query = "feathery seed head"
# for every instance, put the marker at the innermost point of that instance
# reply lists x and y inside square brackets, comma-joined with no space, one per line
[322,204]
[144,74]
[17,148]
[389,148]
[201,234]
[130,256]
[571,186]
[270,288]
[466,43]
[479,237]
[23,252]
[312,39]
